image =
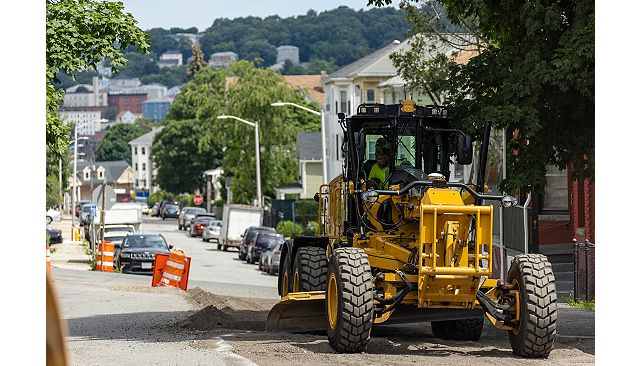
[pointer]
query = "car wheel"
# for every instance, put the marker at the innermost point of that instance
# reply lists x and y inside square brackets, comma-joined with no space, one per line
[49,219]
[224,248]
[219,246]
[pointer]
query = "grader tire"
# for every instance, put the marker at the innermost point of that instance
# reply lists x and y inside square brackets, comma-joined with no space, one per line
[310,270]
[458,330]
[349,300]
[285,277]
[536,332]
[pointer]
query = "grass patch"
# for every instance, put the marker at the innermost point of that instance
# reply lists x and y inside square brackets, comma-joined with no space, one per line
[588,305]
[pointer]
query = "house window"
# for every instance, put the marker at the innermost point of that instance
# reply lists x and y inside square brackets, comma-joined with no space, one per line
[136,166]
[371,96]
[343,101]
[137,183]
[556,192]
[135,150]
[87,175]
[143,150]
[100,174]
[144,167]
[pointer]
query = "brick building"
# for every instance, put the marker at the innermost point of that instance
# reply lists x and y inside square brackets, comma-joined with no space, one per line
[128,102]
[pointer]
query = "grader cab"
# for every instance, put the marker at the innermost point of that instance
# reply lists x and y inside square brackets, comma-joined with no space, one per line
[400,242]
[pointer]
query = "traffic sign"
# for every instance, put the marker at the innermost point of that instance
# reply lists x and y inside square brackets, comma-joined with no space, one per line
[110,195]
[197,200]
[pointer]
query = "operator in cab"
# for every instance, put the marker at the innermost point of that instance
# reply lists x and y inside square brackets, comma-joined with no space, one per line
[379,171]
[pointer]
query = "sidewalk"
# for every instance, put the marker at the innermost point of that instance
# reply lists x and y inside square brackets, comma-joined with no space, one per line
[69,254]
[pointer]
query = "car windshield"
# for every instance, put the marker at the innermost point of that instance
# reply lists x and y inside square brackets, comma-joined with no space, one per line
[269,240]
[86,208]
[145,241]
[216,223]
[118,228]
[194,211]
[203,220]
[171,207]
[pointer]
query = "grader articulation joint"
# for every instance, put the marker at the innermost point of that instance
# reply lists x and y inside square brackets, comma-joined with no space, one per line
[399,241]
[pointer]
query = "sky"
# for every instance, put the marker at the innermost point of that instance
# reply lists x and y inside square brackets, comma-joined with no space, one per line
[201,13]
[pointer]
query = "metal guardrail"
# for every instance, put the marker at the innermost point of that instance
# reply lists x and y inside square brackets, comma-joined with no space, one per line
[584,260]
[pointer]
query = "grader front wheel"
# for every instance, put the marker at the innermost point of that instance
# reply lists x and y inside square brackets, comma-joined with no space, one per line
[535,334]
[349,300]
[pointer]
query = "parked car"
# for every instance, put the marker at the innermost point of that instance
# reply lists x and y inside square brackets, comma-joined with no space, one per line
[85,213]
[198,226]
[139,251]
[54,236]
[145,208]
[79,205]
[261,243]
[53,215]
[270,259]
[170,210]
[188,215]
[249,236]
[212,231]
[116,238]
[155,210]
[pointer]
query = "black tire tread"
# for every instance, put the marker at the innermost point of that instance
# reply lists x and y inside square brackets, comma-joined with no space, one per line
[540,298]
[311,263]
[355,320]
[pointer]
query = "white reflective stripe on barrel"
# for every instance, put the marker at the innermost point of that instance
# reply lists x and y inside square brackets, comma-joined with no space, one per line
[171,276]
[174,264]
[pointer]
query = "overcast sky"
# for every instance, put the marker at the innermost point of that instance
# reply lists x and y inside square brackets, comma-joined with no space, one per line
[201,13]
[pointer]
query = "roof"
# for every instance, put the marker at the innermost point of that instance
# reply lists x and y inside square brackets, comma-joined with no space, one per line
[172,52]
[113,169]
[309,146]
[147,138]
[158,100]
[225,53]
[377,63]
[309,84]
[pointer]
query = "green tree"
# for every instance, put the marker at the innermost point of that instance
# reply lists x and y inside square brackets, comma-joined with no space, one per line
[197,62]
[138,65]
[289,228]
[535,74]
[53,191]
[80,33]
[115,144]
[181,158]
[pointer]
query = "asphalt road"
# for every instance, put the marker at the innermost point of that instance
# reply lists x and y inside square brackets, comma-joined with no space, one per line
[217,268]
[115,318]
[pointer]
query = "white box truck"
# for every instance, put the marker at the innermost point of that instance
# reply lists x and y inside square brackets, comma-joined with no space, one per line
[235,220]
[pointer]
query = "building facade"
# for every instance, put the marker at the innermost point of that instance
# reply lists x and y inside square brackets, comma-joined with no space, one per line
[222,59]
[88,122]
[127,102]
[156,109]
[144,171]
[170,58]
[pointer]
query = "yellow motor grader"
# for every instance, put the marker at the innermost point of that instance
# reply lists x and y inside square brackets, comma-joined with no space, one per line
[410,245]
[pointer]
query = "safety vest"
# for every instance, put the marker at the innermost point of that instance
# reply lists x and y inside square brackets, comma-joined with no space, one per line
[380,174]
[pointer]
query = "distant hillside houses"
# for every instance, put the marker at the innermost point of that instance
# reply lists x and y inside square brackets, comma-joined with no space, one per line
[222,59]
[170,59]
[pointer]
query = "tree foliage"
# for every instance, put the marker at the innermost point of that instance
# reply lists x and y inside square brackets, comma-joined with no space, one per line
[210,142]
[197,62]
[80,33]
[288,228]
[115,144]
[535,74]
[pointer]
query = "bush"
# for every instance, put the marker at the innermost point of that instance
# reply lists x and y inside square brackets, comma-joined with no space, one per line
[289,228]
[159,196]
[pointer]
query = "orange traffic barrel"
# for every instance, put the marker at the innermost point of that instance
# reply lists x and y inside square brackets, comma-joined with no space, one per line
[171,270]
[48,258]
[104,258]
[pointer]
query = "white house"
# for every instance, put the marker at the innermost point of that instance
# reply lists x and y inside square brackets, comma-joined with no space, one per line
[127,117]
[93,96]
[170,58]
[143,169]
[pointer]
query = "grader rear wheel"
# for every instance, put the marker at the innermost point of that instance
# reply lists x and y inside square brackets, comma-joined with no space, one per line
[535,335]
[458,330]
[285,278]
[310,270]
[349,300]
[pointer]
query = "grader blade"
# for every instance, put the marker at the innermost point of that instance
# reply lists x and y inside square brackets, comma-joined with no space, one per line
[298,312]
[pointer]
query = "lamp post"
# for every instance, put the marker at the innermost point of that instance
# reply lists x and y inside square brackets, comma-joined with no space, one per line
[257,138]
[75,172]
[321,114]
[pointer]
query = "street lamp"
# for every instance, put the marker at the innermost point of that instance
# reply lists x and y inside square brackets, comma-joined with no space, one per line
[321,114]
[75,172]
[257,138]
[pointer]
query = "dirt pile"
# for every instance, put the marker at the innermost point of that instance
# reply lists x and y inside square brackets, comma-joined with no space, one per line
[226,312]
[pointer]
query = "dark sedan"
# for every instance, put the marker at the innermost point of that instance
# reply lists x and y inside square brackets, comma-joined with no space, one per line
[170,210]
[139,251]
[261,243]
[54,235]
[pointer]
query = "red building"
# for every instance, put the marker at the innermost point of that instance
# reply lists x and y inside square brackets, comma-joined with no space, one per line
[127,102]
